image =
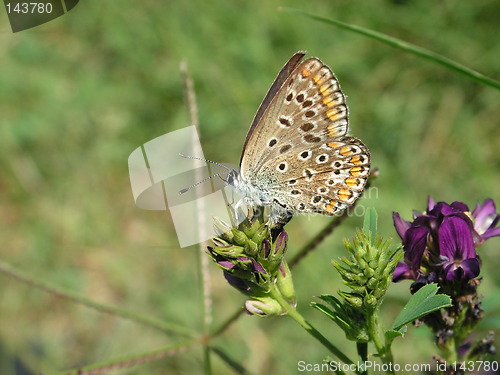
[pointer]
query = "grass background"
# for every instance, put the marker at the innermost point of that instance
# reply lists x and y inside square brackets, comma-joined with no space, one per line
[79,94]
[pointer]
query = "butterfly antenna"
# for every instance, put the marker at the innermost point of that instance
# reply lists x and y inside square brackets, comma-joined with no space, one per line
[208,161]
[199,182]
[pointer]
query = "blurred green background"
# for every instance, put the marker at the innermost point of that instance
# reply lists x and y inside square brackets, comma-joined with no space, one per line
[80,93]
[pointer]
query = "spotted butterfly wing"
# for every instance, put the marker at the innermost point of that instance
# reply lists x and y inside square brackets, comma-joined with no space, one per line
[297,154]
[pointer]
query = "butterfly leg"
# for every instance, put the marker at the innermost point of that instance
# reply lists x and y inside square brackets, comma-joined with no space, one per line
[280,216]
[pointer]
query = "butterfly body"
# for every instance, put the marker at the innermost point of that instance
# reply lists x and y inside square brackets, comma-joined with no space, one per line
[297,156]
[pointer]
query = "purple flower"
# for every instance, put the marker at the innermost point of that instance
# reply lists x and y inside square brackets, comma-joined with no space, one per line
[457,249]
[485,220]
[440,244]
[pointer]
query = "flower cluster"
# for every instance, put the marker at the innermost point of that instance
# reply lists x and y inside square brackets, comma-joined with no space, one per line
[252,258]
[440,244]
[367,272]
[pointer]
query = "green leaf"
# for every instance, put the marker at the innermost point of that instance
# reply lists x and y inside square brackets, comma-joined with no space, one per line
[325,310]
[420,304]
[392,334]
[405,46]
[370,223]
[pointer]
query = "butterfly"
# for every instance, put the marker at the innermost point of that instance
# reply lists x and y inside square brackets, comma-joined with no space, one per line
[297,156]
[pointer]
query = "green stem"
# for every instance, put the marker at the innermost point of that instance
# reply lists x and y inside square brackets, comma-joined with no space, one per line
[449,350]
[131,360]
[74,297]
[295,315]
[384,351]
[363,354]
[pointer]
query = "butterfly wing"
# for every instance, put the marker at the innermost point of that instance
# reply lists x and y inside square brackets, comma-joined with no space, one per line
[297,143]
[330,179]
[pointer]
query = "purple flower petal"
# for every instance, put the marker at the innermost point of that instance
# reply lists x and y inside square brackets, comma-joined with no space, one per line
[414,245]
[237,283]
[453,272]
[481,212]
[258,267]
[460,206]
[486,220]
[465,270]
[281,242]
[402,272]
[491,232]
[430,204]
[400,224]
[266,248]
[282,270]
[254,307]
[226,264]
[471,267]
[219,243]
[455,239]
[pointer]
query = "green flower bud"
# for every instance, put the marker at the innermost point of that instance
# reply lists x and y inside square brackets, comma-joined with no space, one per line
[372,284]
[264,306]
[352,299]
[260,234]
[239,237]
[370,301]
[285,284]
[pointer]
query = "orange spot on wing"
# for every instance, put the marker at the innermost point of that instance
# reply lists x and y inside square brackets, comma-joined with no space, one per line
[318,80]
[324,90]
[330,207]
[356,171]
[306,72]
[351,182]
[335,114]
[355,160]
[346,151]
[333,144]
[332,131]
[328,101]
[344,194]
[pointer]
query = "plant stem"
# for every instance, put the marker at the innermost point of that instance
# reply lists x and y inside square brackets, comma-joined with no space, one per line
[375,332]
[40,284]
[294,314]
[363,354]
